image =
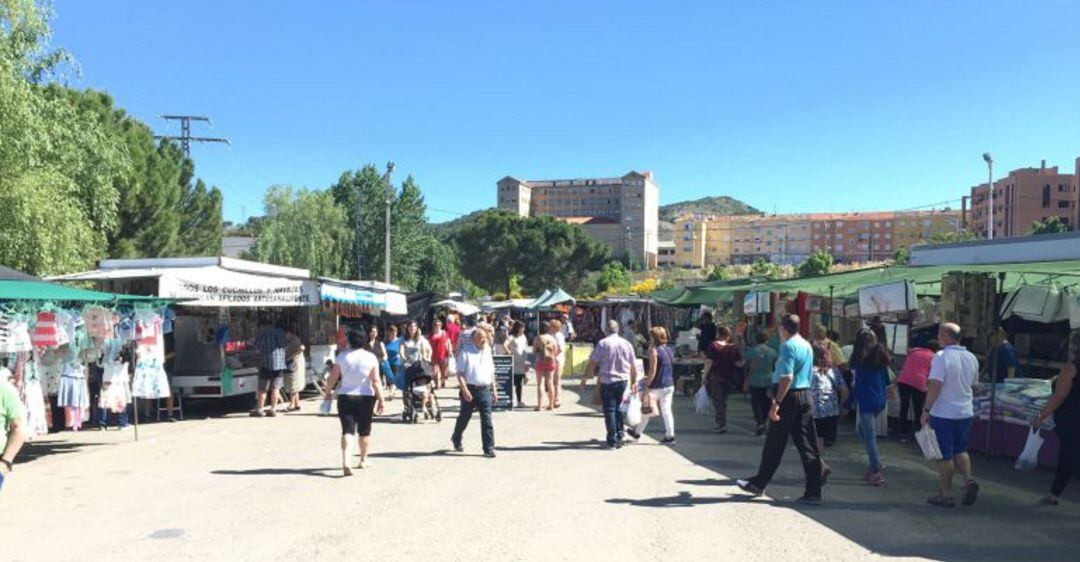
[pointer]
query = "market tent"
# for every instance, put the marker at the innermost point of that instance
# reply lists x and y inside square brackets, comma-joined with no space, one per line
[503,305]
[458,306]
[372,295]
[42,291]
[551,298]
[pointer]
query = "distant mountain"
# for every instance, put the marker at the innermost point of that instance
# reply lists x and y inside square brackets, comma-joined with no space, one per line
[722,205]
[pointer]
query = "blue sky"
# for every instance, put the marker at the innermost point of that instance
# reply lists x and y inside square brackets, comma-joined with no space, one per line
[790,106]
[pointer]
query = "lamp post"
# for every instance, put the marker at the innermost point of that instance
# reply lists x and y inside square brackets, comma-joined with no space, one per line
[389,200]
[990,184]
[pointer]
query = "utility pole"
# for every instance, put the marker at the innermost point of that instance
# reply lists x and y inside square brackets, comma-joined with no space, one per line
[629,251]
[185,137]
[990,188]
[389,200]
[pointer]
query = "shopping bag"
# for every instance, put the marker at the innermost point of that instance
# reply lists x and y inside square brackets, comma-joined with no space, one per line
[1029,457]
[324,408]
[632,414]
[702,402]
[928,443]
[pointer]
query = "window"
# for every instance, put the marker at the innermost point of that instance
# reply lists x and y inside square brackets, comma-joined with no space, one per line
[1064,204]
[839,248]
[888,224]
[1046,196]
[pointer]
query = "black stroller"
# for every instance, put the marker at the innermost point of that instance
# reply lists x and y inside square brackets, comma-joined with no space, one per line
[417,386]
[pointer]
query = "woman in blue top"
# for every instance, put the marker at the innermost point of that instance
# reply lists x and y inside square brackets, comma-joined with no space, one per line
[660,384]
[870,363]
[393,365]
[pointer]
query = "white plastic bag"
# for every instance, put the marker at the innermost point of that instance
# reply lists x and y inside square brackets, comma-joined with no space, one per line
[632,412]
[702,402]
[928,443]
[324,408]
[1029,457]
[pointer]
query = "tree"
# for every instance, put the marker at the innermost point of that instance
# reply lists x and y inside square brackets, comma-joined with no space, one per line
[717,273]
[818,263]
[951,237]
[613,277]
[902,256]
[58,164]
[764,269]
[304,229]
[1048,225]
[496,247]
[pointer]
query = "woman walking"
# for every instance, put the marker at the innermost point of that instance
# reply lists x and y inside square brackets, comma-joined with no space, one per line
[393,359]
[911,384]
[416,354]
[359,397]
[547,354]
[517,345]
[829,391]
[660,384]
[441,351]
[870,362]
[297,375]
[1064,405]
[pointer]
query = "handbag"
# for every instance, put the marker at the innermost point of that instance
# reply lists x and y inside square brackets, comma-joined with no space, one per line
[928,442]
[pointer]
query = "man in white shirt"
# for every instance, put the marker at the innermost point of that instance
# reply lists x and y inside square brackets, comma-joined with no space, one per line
[949,411]
[475,370]
[568,328]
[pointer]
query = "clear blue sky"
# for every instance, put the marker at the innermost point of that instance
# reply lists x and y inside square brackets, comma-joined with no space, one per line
[790,106]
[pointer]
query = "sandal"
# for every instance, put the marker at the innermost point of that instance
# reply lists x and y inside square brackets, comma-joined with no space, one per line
[971,493]
[1049,500]
[941,501]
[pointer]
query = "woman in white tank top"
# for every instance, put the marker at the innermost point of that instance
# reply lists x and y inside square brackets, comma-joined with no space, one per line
[359,397]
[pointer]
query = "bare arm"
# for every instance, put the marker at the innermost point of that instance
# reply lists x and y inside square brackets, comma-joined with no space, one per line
[335,376]
[1065,380]
[589,370]
[654,357]
[373,376]
[16,438]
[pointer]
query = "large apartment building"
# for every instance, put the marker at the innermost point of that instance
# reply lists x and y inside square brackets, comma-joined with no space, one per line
[707,240]
[1023,197]
[621,212]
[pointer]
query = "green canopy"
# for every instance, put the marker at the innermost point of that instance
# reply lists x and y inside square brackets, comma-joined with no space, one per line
[551,298]
[42,291]
[927,280]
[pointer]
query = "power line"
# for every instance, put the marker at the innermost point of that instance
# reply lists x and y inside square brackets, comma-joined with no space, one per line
[185,137]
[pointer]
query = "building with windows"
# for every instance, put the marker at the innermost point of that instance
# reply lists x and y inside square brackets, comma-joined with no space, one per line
[621,212]
[1023,197]
[780,239]
[665,256]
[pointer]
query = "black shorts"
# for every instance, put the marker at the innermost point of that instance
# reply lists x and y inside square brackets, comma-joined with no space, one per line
[270,380]
[826,428]
[355,413]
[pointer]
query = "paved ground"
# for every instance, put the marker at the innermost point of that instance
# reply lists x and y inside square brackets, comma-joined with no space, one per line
[237,488]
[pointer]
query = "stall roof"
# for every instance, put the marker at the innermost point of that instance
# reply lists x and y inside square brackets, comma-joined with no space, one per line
[379,296]
[502,305]
[458,306]
[8,274]
[41,291]
[927,280]
[551,298]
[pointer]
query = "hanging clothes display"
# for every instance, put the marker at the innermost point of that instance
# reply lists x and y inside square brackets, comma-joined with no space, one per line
[116,387]
[32,396]
[15,334]
[47,331]
[99,322]
[150,380]
[74,396]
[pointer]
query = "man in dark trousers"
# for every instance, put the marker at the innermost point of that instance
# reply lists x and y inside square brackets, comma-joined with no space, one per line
[791,415]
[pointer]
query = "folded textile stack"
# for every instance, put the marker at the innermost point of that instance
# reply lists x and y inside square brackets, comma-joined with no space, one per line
[1018,401]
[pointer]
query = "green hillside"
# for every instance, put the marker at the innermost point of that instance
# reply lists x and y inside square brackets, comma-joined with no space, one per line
[722,205]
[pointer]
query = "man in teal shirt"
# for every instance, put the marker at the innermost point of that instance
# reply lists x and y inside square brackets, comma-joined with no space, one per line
[791,415]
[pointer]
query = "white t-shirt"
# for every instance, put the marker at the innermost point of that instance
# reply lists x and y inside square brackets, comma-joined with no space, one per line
[519,348]
[957,370]
[356,370]
[476,365]
[562,346]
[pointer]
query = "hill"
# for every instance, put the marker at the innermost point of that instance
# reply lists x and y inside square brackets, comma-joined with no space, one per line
[722,205]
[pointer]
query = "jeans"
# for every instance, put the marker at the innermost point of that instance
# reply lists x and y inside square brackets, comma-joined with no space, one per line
[121,418]
[519,383]
[718,390]
[865,427]
[661,399]
[611,395]
[796,422]
[481,401]
[760,403]
[910,396]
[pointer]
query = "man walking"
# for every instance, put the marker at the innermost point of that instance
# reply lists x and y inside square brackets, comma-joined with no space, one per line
[613,362]
[12,424]
[723,362]
[792,415]
[475,371]
[950,411]
[270,344]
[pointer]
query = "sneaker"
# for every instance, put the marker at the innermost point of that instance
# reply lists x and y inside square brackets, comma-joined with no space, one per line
[721,430]
[521,405]
[618,444]
[808,500]
[489,454]
[749,488]
[876,479]
[257,414]
[971,493]
[457,447]
[668,441]
[633,434]
[271,414]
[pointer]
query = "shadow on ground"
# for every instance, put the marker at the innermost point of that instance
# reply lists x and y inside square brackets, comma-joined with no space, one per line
[317,472]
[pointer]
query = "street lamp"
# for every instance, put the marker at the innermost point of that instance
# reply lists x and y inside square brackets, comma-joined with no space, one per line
[990,183]
[389,200]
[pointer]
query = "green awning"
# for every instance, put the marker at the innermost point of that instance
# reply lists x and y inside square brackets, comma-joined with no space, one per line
[43,291]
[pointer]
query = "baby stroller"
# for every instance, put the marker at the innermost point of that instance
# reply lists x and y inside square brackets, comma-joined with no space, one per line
[417,385]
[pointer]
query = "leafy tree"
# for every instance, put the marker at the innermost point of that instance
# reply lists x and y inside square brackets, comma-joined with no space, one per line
[1048,225]
[304,229]
[902,256]
[717,273]
[614,277]
[764,269]
[951,237]
[818,263]
[438,270]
